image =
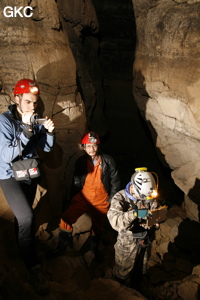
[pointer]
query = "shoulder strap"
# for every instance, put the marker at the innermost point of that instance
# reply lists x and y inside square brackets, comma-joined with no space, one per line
[18,142]
[20,150]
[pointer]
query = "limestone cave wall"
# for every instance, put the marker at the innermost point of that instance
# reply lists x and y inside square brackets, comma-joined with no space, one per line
[166,86]
[45,47]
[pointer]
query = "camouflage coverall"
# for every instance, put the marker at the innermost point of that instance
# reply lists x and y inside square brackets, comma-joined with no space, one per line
[121,217]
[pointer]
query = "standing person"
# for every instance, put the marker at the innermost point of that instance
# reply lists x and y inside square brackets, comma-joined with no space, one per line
[19,131]
[96,180]
[128,215]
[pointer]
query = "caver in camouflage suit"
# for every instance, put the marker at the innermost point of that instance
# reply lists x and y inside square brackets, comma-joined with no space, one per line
[123,217]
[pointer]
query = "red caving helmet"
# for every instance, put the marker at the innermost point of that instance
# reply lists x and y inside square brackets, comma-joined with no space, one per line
[26,86]
[90,138]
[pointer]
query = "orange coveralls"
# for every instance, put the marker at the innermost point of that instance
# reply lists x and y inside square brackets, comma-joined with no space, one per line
[92,198]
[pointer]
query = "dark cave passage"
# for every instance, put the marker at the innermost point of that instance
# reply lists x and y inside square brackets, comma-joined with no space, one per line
[128,137]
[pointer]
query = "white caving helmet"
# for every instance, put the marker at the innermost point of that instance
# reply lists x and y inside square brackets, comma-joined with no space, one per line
[144,184]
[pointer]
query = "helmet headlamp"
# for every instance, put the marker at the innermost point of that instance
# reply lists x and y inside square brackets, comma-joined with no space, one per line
[33,90]
[90,138]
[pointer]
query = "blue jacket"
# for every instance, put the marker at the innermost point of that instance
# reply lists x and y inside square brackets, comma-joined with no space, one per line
[12,129]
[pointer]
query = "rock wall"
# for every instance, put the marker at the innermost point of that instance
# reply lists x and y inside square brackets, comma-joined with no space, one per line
[40,48]
[166,85]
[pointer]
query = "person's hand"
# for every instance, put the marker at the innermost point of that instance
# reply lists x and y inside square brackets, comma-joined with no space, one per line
[26,117]
[149,214]
[49,125]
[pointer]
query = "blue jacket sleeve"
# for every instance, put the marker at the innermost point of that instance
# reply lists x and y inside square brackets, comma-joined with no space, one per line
[8,139]
[9,134]
[46,140]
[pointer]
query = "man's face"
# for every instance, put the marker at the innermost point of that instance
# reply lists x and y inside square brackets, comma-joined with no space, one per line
[131,190]
[27,103]
[91,149]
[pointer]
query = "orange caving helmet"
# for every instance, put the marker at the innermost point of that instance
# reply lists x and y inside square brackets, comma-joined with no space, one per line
[26,86]
[90,138]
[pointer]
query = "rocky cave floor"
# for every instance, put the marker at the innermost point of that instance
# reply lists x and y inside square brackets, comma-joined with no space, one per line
[78,275]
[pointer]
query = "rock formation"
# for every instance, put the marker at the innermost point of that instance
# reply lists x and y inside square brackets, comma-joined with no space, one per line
[166,86]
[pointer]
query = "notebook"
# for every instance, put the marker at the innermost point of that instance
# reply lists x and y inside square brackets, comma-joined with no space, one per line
[158,215]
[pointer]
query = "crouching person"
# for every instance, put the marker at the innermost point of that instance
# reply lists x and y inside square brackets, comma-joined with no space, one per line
[96,180]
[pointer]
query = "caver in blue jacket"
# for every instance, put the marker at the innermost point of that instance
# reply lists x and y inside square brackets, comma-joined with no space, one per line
[11,129]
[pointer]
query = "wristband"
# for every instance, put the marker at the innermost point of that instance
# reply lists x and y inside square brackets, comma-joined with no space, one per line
[135,213]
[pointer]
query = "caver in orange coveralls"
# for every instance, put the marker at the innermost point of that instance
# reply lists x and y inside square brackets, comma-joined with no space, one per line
[92,198]
[100,183]
[96,180]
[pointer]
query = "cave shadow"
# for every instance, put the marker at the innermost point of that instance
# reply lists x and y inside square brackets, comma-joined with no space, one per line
[176,264]
[83,45]
[186,245]
[128,138]
[8,242]
[56,166]
[194,193]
